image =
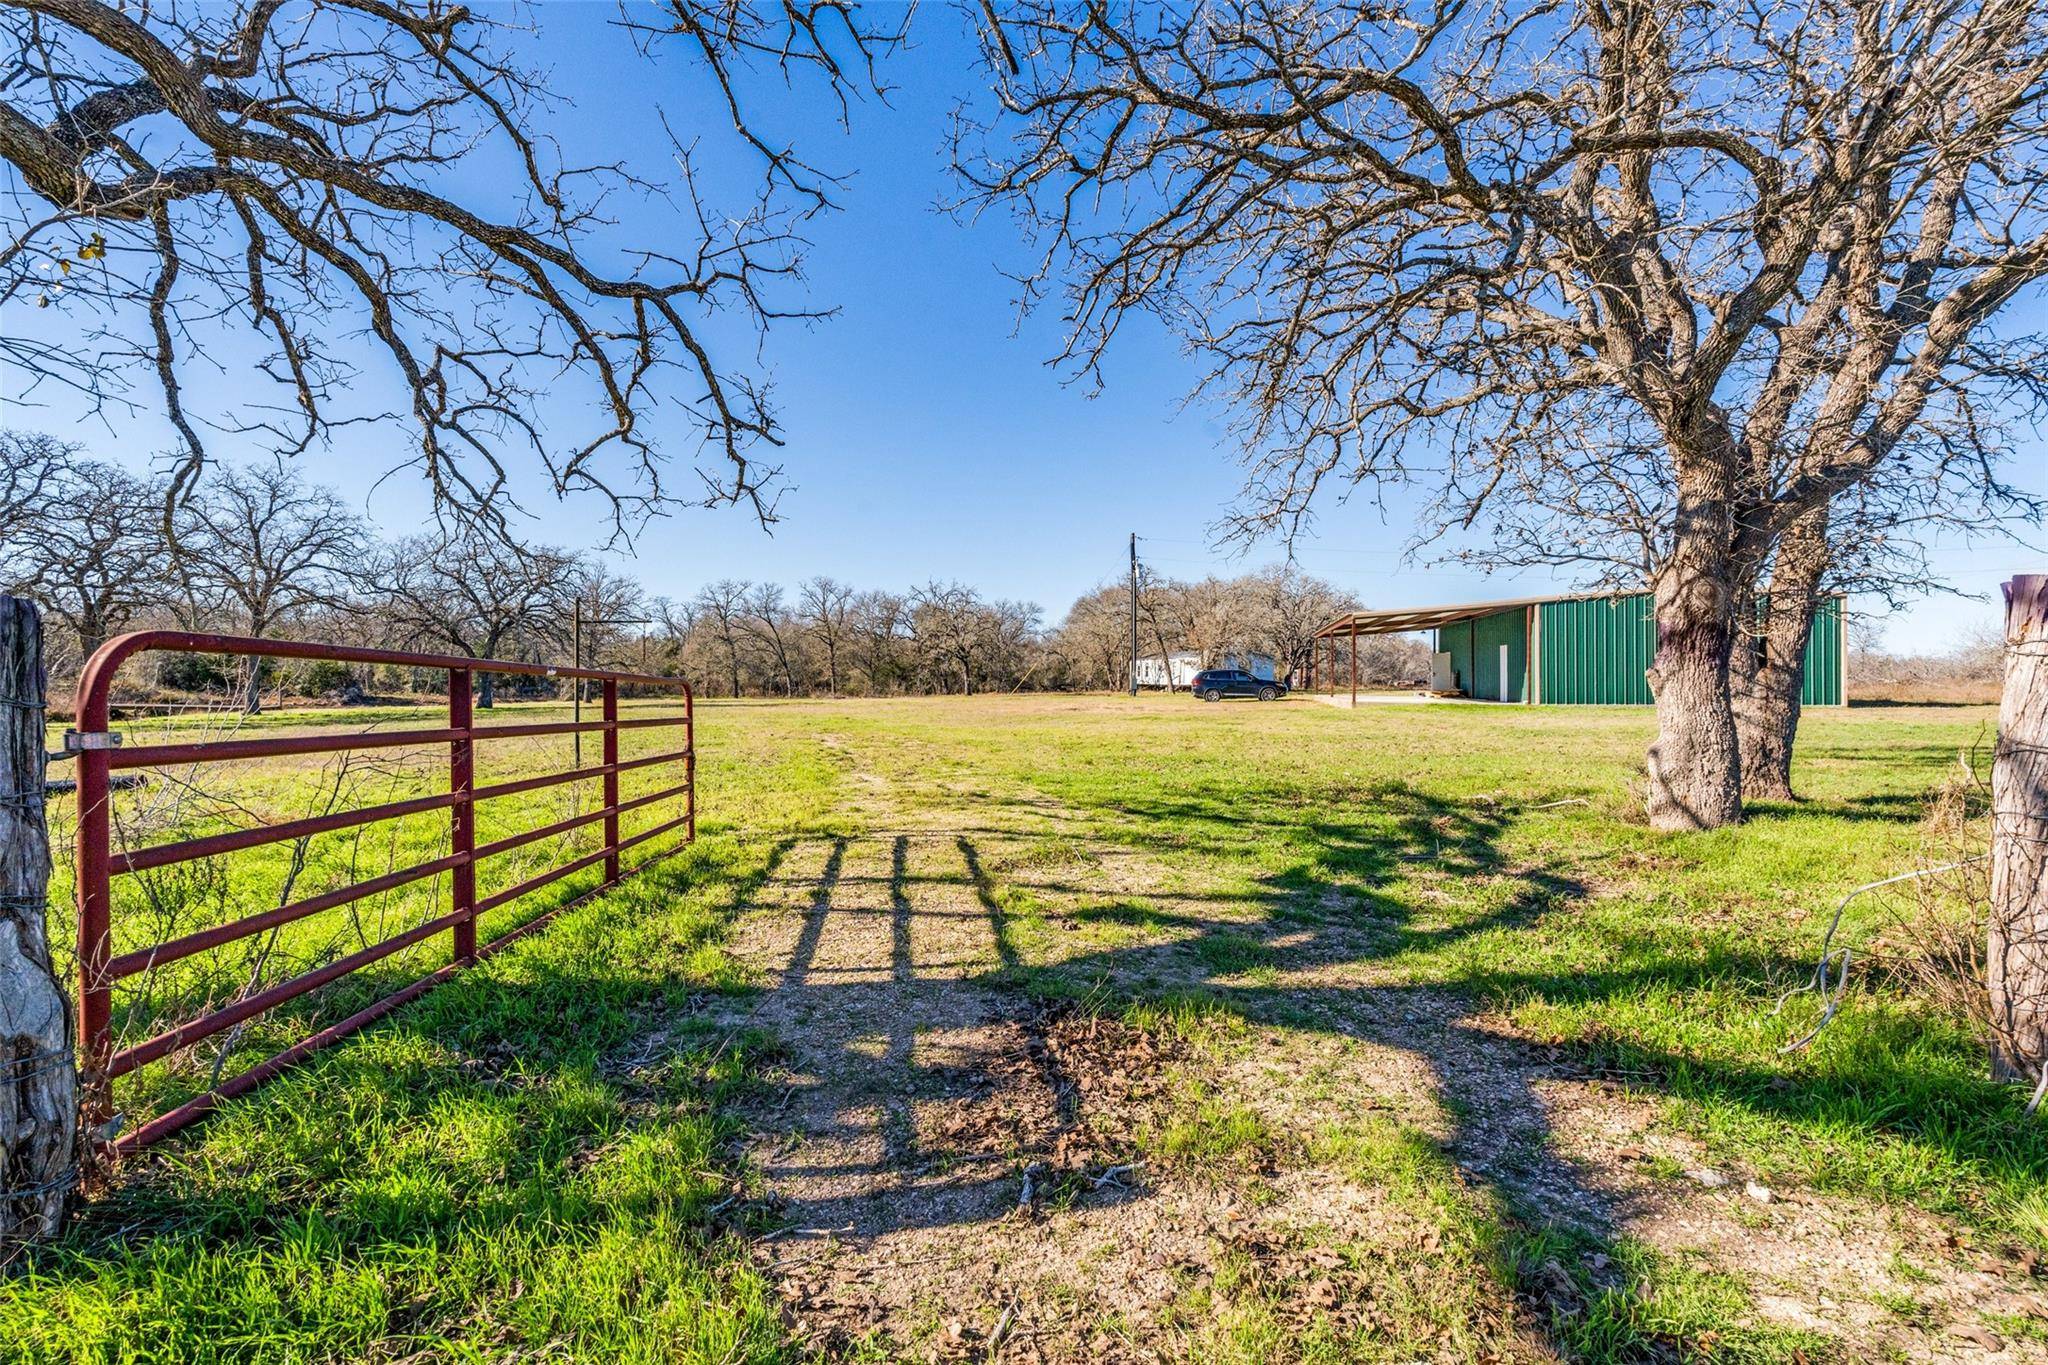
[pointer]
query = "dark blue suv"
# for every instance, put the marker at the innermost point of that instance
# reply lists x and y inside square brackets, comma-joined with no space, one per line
[1214,684]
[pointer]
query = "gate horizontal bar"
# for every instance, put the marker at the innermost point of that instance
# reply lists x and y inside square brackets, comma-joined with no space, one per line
[286,746]
[527,784]
[230,841]
[513,893]
[531,836]
[211,845]
[116,651]
[142,959]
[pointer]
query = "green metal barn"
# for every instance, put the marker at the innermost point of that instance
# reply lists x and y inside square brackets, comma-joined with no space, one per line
[1578,650]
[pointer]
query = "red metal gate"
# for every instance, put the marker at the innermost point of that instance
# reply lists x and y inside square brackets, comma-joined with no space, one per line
[101,753]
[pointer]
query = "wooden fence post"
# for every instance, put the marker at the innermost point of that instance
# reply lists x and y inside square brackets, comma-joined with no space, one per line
[38,1070]
[2017,964]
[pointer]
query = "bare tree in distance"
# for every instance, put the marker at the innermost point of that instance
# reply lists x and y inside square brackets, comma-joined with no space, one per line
[615,611]
[30,462]
[1293,606]
[334,170]
[828,613]
[1162,610]
[1096,634]
[1762,248]
[677,622]
[880,622]
[474,594]
[261,547]
[946,630]
[720,608]
[88,545]
[764,619]
[1010,652]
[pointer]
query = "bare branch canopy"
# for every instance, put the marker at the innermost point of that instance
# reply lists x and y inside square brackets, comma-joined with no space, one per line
[368,189]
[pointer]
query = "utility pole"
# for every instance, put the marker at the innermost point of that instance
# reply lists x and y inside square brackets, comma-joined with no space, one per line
[1134,613]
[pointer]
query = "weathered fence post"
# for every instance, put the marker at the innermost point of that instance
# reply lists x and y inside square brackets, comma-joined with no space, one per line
[38,1074]
[2017,965]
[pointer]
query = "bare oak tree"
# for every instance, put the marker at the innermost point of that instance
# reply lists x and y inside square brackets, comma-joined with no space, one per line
[1603,508]
[473,594]
[720,608]
[880,623]
[338,169]
[89,545]
[1760,247]
[1096,636]
[765,620]
[30,462]
[828,615]
[259,547]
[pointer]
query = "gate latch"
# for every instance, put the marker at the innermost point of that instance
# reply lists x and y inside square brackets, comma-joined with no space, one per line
[77,741]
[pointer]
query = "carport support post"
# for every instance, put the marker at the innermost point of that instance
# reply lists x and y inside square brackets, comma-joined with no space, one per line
[38,1071]
[2018,950]
[1354,663]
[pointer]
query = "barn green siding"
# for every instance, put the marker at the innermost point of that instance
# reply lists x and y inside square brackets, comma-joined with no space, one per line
[1474,647]
[1595,651]
[1825,655]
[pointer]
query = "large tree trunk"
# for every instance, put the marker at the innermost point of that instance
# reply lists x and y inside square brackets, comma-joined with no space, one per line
[2017,962]
[252,693]
[38,1072]
[1768,677]
[487,689]
[1695,772]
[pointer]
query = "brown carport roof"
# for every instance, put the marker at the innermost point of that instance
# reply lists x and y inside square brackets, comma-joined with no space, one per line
[1397,620]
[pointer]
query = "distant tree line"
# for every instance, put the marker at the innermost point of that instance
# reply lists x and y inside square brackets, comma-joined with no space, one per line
[1971,671]
[257,551]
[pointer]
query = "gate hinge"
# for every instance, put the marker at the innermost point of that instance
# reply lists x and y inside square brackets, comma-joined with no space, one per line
[78,741]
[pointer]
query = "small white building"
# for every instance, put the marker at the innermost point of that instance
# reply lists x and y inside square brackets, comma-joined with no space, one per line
[1177,670]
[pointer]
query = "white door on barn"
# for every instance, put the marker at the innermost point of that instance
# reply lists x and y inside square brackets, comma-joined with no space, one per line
[1503,693]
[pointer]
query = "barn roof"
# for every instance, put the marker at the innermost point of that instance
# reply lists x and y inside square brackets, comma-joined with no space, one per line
[1399,619]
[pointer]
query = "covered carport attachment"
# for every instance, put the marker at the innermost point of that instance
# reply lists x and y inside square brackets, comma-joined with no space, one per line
[1481,649]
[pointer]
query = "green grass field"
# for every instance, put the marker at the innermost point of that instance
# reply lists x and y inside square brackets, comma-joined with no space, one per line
[549,1158]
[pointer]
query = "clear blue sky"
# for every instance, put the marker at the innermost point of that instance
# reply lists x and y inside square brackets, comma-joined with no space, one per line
[926,436]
